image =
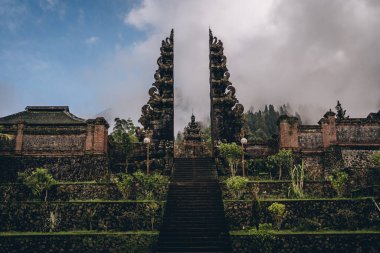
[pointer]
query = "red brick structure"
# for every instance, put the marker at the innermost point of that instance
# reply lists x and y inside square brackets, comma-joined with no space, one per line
[333,142]
[52,137]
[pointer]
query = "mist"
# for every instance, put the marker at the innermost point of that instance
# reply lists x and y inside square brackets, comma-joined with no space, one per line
[308,53]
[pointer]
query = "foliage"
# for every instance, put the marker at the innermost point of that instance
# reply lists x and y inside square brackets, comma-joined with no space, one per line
[282,161]
[278,213]
[3,136]
[262,125]
[38,180]
[236,186]
[124,133]
[256,206]
[376,158]
[306,224]
[124,183]
[149,187]
[297,174]
[340,113]
[338,181]
[232,153]
[151,209]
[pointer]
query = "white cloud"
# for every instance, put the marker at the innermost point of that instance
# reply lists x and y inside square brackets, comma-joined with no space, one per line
[92,40]
[306,53]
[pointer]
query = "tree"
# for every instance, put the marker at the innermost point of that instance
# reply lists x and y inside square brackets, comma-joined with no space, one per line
[283,160]
[340,113]
[38,180]
[124,134]
[262,125]
[278,212]
[232,153]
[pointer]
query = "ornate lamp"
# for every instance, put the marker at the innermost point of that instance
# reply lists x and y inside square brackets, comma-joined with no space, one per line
[243,142]
[147,142]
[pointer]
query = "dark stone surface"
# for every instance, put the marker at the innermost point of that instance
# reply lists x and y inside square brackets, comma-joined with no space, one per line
[157,115]
[69,216]
[226,113]
[331,214]
[280,189]
[306,243]
[65,168]
[117,243]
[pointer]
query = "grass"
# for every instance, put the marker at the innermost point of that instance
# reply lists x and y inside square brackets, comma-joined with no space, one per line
[79,233]
[85,201]
[290,232]
[295,200]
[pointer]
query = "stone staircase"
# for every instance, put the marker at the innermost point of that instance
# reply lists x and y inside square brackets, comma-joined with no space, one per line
[194,216]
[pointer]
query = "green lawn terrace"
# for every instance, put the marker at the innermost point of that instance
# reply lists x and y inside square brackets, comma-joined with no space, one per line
[84,216]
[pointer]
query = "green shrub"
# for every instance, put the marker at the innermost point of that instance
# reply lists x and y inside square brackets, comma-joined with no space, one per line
[376,158]
[232,153]
[282,161]
[236,186]
[306,224]
[297,174]
[149,187]
[38,180]
[338,181]
[278,213]
[265,226]
[124,183]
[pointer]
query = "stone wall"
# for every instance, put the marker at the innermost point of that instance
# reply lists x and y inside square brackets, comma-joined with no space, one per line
[352,131]
[79,242]
[310,137]
[307,242]
[53,143]
[64,168]
[82,215]
[331,214]
[280,189]
[62,192]
[358,158]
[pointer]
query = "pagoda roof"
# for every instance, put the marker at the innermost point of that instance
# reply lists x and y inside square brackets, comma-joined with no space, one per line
[44,115]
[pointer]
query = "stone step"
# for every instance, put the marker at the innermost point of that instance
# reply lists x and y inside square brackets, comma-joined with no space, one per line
[194,214]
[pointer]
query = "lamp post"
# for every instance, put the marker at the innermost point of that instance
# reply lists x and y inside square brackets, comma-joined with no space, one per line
[243,141]
[147,142]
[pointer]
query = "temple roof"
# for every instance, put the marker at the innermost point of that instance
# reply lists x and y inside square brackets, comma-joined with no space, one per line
[46,115]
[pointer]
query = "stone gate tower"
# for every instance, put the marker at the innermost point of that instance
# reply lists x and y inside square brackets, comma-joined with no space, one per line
[226,113]
[157,115]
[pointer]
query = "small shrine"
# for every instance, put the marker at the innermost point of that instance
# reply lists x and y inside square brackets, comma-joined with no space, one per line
[192,137]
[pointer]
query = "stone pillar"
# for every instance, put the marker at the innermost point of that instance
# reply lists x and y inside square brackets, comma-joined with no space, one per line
[288,133]
[89,146]
[328,129]
[19,137]
[100,136]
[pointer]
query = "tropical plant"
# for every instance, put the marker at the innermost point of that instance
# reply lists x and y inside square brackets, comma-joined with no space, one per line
[338,181]
[297,174]
[278,213]
[282,161]
[38,180]
[236,186]
[232,153]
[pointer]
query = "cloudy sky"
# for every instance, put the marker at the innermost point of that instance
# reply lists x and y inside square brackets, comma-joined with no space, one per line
[100,56]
